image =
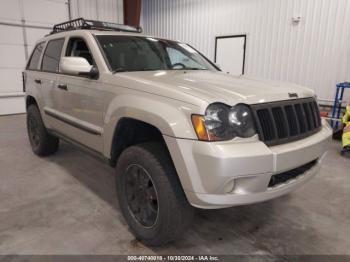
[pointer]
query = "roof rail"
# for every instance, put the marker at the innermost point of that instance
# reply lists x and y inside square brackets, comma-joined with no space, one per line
[81,23]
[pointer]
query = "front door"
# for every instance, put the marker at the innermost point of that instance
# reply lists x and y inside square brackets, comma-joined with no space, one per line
[81,101]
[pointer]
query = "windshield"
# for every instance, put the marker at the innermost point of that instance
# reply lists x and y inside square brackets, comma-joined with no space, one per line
[134,53]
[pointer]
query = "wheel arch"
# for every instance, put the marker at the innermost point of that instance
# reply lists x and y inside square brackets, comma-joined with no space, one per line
[30,100]
[130,131]
[166,118]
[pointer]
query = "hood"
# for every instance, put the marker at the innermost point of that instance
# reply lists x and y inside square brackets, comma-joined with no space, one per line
[213,86]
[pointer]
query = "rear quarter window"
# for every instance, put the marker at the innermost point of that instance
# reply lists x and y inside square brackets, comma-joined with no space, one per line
[52,55]
[34,59]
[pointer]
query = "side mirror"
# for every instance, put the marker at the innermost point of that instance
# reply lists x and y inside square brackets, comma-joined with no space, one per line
[77,66]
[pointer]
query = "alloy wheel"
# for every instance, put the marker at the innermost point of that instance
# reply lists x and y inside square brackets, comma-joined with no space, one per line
[141,195]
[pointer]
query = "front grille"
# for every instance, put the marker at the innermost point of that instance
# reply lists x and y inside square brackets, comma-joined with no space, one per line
[291,174]
[286,121]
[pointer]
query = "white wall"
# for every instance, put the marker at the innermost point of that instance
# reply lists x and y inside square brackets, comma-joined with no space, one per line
[23,22]
[314,53]
[105,10]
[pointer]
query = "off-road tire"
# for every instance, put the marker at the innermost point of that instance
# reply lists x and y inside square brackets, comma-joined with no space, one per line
[42,143]
[175,214]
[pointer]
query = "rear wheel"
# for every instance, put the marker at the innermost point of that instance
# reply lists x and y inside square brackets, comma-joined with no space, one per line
[150,195]
[42,143]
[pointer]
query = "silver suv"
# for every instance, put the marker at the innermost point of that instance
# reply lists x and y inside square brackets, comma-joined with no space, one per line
[180,133]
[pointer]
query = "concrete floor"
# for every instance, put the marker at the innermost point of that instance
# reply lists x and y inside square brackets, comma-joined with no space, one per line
[66,204]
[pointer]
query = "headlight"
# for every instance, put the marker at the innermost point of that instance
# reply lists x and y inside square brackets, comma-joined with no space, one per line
[222,122]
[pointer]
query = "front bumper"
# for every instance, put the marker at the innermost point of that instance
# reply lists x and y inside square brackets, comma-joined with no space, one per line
[224,174]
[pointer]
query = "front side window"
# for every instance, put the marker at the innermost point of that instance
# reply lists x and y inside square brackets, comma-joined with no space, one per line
[34,60]
[77,47]
[134,53]
[52,55]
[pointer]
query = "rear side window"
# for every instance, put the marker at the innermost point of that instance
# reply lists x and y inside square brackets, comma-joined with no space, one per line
[52,55]
[34,60]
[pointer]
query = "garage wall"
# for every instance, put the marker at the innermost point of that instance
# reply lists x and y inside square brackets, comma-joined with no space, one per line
[23,22]
[314,52]
[106,10]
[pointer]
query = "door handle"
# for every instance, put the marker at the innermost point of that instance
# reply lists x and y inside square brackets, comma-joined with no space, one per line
[62,86]
[38,81]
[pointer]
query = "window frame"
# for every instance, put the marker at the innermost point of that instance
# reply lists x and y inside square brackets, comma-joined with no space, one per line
[87,45]
[38,68]
[42,58]
[64,53]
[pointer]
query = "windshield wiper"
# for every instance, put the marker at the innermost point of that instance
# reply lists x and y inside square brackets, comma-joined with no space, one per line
[119,70]
[194,68]
[189,68]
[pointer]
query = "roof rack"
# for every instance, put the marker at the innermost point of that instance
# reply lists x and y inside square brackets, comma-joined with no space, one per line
[81,23]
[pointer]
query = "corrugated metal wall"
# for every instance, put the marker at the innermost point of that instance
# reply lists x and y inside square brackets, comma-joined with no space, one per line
[105,10]
[314,53]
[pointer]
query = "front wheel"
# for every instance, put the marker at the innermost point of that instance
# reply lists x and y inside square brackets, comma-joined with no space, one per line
[150,195]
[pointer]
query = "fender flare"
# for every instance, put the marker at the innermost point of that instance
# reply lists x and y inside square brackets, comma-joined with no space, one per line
[172,118]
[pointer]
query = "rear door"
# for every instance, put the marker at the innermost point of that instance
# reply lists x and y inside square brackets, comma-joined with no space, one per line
[48,81]
[32,75]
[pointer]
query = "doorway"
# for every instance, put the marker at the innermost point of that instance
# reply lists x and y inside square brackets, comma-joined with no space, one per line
[230,53]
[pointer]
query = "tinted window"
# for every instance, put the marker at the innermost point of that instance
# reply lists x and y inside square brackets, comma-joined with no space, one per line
[34,60]
[52,55]
[132,53]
